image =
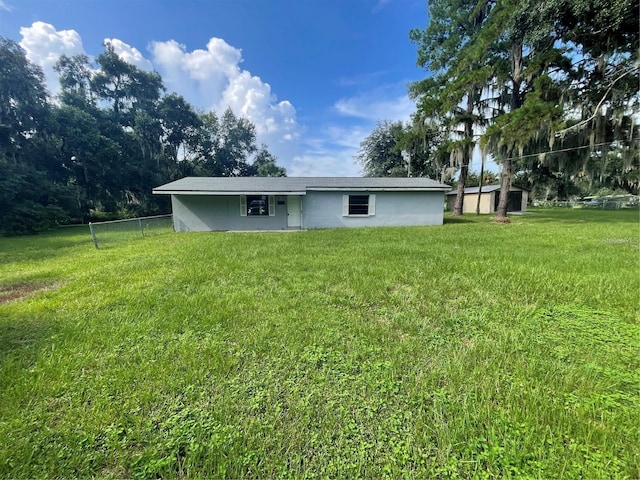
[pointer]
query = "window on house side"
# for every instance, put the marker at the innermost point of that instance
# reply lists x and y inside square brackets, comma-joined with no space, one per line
[257,205]
[358,205]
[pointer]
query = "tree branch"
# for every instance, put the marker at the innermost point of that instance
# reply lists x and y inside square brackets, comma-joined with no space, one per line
[597,109]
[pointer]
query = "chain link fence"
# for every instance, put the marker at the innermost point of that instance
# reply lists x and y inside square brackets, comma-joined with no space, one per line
[128,229]
[606,203]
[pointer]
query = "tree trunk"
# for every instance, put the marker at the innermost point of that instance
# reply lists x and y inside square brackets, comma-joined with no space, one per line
[515,103]
[466,155]
[480,187]
[462,181]
[505,186]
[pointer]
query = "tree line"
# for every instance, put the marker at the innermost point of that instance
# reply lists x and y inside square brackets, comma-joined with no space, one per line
[548,89]
[110,136]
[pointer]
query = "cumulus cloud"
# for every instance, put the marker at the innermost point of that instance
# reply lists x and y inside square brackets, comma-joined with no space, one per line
[44,46]
[129,54]
[212,79]
[201,75]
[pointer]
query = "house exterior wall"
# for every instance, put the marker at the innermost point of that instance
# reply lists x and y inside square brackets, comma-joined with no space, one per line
[324,209]
[201,213]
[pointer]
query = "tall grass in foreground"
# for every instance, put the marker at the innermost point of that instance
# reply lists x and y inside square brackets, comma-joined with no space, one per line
[471,350]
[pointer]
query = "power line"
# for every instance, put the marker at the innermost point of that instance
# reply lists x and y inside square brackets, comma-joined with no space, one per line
[550,152]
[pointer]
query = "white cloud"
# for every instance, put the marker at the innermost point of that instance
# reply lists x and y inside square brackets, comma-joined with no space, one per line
[212,79]
[200,75]
[44,46]
[129,54]
[4,6]
[376,108]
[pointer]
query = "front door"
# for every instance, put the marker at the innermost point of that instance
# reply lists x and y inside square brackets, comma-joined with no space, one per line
[294,212]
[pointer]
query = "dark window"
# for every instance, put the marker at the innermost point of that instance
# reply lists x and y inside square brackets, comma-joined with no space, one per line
[358,204]
[257,205]
[514,201]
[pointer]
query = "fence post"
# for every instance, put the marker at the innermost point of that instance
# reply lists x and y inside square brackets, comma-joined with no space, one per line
[93,235]
[141,227]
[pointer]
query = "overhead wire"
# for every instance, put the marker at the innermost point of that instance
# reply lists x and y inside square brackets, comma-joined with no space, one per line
[569,149]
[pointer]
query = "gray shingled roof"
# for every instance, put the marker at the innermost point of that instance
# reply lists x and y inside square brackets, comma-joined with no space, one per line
[292,185]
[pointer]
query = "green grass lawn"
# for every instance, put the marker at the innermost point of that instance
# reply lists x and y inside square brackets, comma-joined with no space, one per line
[468,350]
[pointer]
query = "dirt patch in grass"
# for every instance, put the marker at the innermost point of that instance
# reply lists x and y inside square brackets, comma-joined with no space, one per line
[8,293]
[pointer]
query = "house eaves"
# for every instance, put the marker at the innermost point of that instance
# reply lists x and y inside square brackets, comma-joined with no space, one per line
[294,185]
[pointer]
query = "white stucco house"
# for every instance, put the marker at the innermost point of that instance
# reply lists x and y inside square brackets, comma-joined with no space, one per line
[489,198]
[282,203]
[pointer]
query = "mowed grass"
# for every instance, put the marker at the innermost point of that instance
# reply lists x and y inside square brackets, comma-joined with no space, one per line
[468,350]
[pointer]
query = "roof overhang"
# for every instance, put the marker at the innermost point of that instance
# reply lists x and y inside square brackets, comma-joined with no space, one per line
[283,186]
[220,193]
[377,189]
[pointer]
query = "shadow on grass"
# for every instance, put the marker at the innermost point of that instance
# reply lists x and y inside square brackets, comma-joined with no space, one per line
[23,338]
[469,218]
[44,245]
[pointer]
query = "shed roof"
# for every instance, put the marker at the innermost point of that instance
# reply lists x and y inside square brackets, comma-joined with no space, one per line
[486,189]
[293,185]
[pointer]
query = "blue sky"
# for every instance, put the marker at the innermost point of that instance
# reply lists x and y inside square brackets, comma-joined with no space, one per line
[313,75]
